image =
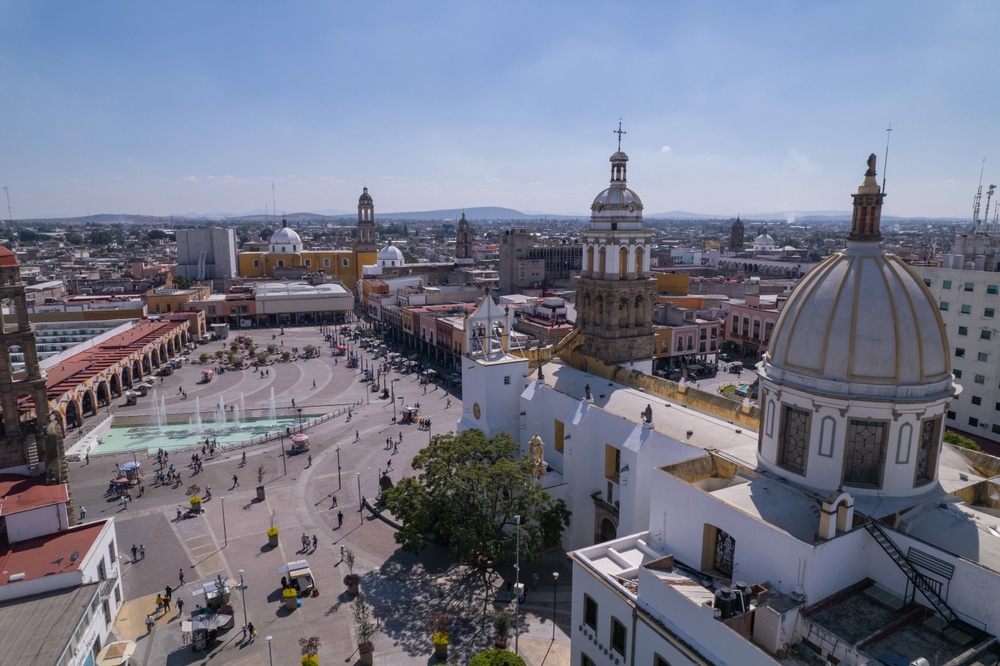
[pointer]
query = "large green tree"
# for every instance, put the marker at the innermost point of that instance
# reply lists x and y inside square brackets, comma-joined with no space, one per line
[468,492]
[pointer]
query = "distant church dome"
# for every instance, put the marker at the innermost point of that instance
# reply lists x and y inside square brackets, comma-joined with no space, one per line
[365,198]
[285,236]
[764,242]
[390,256]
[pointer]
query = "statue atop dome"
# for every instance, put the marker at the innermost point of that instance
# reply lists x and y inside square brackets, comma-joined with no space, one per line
[871,165]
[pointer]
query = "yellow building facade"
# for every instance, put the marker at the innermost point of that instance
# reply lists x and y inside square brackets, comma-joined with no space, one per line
[287,257]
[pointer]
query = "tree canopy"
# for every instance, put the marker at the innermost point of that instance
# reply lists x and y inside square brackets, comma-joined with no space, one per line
[468,492]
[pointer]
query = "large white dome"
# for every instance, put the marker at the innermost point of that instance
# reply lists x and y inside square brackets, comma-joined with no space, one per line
[285,236]
[862,323]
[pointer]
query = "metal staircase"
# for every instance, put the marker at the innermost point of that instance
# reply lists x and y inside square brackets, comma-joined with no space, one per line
[918,580]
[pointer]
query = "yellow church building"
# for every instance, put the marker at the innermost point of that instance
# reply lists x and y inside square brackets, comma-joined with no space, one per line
[287,258]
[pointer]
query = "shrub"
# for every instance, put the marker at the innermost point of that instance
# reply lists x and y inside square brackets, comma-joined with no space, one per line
[439,624]
[366,647]
[286,355]
[272,531]
[496,657]
[955,439]
[289,593]
[352,579]
[261,471]
[204,358]
[440,638]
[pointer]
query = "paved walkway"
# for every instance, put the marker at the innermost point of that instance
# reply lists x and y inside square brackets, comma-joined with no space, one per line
[402,589]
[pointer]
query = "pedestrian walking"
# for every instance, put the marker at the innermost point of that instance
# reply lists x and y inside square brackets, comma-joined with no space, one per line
[340,519]
[149,623]
[314,383]
[357,436]
[135,553]
[315,542]
[180,606]
[180,575]
[142,552]
[448,404]
[166,604]
[395,448]
[305,541]
[178,513]
[251,631]
[334,504]
[236,480]
[159,602]
[534,581]
[310,459]
[400,436]
[88,458]
[83,512]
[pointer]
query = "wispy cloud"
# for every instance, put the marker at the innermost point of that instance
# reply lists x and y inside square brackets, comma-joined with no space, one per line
[666,149]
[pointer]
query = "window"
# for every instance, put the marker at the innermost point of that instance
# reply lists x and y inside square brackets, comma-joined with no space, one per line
[969,286]
[943,306]
[308,263]
[560,435]
[996,428]
[966,309]
[927,281]
[281,263]
[618,636]
[946,284]
[989,312]
[589,612]
[976,400]
[102,571]
[612,463]
[118,595]
[793,446]
[326,263]
[506,380]
[958,373]
[991,289]
[256,263]
[973,421]
[963,330]
[345,262]
[725,549]
[106,610]
[865,452]
[980,379]
[927,453]
[585,660]
[112,553]
[983,357]
[959,352]
[951,415]
[985,334]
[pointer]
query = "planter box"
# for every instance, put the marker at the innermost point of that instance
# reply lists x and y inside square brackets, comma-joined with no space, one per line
[441,651]
[260,493]
[367,658]
[291,603]
[272,540]
[353,590]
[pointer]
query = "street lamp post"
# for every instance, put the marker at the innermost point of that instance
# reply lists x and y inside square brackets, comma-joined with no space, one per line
[339,485]
[270,661]
[300,418]
[284,458]
[360,505]
[517,584]
[555,582]
[225,534]
[243,593]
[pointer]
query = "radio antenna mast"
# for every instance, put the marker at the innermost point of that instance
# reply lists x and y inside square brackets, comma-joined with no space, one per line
[10,216]
[978,200]
[885,162]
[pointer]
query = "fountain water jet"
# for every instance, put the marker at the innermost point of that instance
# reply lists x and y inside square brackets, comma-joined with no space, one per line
[220,412]
[197,413]
[270,407]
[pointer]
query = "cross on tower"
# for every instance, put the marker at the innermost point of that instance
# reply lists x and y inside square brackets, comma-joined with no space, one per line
[619,132]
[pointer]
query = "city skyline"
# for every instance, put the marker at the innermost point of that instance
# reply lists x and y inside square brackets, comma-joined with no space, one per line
[192,108]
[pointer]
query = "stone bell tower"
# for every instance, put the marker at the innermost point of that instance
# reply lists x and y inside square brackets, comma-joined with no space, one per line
[615,293]
[367,240]
[32,443]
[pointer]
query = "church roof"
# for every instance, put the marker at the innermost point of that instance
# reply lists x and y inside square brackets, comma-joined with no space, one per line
[390,253]
[285,236]
[7,257]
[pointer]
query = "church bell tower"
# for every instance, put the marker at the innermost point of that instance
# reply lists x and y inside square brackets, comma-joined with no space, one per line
[615,293]
[367,240]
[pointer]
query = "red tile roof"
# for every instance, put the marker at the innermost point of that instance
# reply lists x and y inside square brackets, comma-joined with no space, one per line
[77,369]
[21,493]
[36,558]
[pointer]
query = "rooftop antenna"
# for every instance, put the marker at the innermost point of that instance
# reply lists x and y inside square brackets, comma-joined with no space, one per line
[10,216]
[885,162]
[978,200]
[619,132]
[274,209]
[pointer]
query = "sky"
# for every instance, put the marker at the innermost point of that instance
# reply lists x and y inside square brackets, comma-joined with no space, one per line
[730,107]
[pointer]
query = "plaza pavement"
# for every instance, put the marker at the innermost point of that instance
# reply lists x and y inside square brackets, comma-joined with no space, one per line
[403,589]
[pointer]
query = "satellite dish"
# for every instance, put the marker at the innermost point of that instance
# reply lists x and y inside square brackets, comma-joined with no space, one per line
[58,560]
[75,556]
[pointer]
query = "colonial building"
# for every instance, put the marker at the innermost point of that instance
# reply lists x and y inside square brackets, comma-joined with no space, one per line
[287,258]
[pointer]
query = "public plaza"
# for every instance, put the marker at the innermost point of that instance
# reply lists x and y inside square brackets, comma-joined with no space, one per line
[348,453]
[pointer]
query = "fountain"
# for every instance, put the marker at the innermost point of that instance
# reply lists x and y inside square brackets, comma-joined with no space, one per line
[271,415]
[220,412]
[161,410]
[237,416]
[159,416]
[197,413]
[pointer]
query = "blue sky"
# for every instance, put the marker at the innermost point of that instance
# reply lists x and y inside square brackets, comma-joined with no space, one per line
[730,107]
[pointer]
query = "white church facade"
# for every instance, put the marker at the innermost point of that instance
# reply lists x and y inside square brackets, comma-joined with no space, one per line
[842,530]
